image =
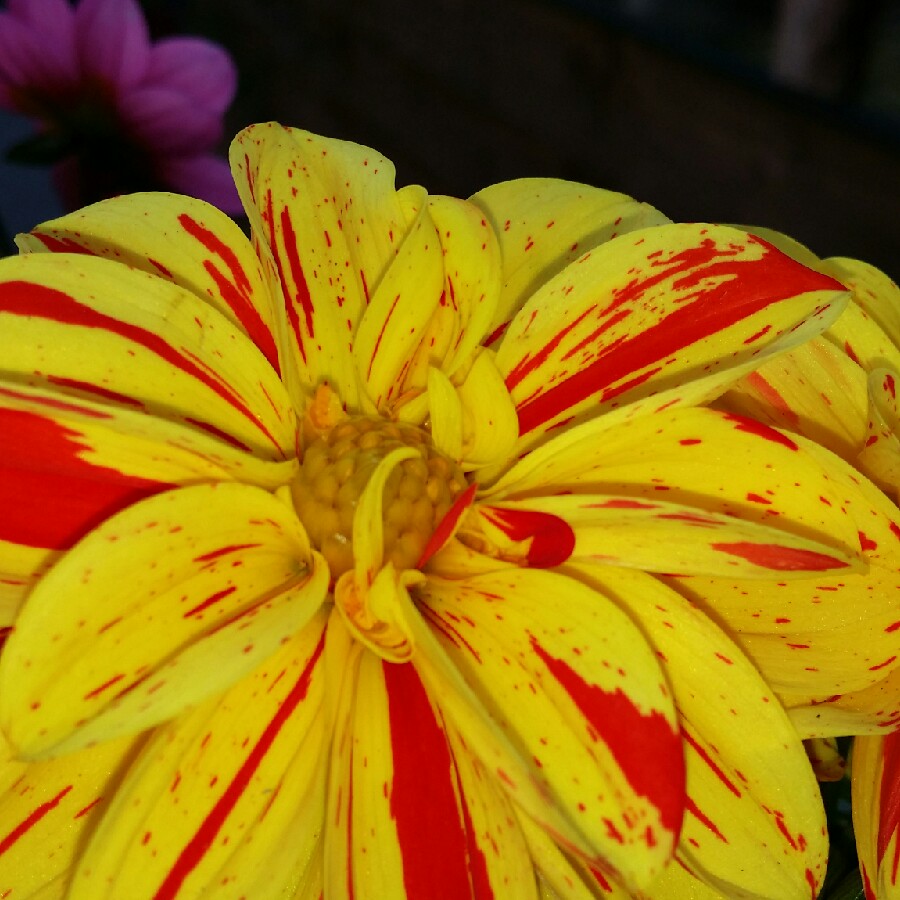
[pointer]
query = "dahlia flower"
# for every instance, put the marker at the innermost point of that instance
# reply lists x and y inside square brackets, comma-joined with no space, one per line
[116,112]
[370,558]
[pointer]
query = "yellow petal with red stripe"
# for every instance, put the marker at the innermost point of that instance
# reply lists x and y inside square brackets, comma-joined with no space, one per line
[180,239]
[417,823]
[863,339]
[228,799]
[329,221]
[48,810]
[880,457]
[543,224]
[649,310]
[70,463]
[743,834]
[876,812]
[815,390]
[654,536]
[872,290]
[401,306]
[96,329]
[583,698]
[164,604]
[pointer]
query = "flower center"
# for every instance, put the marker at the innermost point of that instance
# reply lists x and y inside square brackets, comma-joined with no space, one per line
[336,468]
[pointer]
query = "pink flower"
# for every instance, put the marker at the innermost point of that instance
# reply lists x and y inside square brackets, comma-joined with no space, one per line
[119,112]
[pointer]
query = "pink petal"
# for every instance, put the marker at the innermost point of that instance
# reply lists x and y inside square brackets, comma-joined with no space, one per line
[52,26]
[34,60]
[197,68]
[204,176]
[166,121]
[113,41]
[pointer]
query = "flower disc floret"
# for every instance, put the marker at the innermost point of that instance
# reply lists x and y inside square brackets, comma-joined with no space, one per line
[335,470]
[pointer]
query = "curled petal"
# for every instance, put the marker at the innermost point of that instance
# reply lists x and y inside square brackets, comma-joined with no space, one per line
[226,574]
[875,293]
[880,458]
[229,797]
[655,536]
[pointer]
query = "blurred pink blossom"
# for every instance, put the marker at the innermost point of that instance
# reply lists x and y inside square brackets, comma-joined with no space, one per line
[117,112]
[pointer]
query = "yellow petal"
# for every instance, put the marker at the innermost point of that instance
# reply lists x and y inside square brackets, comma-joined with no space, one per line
[227,800]
[446,416]
[401,306]
[180,239]
[168,602]
[92,328]
[414,815]
[655,536]
[873,291]
[328,219]
[815,390]
[650,310]
[880,457]
[743,834]
[581,695]
[863,340]
[543,224]
[73,462]
[47,811]
[875,782]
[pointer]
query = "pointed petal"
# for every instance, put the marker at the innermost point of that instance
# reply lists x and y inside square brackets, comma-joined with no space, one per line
[876,812]
[815,390]
[401,306]
[49,808]
[543,224]
[141,342]
[584,701]
[650,310]
[742,834]
[471,290]
[228,798]
[182,240]
[654,536]
[328,217]
[225,574]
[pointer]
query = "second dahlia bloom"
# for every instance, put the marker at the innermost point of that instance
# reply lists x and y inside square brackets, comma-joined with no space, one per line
[117,112]
[341,562]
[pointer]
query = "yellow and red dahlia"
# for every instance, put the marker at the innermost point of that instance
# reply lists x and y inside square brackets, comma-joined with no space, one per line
[396,553]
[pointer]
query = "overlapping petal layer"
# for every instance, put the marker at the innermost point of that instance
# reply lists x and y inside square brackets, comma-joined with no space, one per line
[169,601]
[568,690]
[227,798]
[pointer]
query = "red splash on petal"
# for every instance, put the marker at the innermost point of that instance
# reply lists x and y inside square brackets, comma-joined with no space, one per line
[50,495]
[780,558]
[447,525]
[430,829]
[751,426]
[645,745]
[552,538]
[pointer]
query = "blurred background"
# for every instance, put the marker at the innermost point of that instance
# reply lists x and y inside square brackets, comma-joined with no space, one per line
[783,114]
